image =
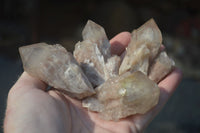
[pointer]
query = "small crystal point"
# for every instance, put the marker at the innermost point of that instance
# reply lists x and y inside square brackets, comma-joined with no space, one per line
[96,34]
[161,66]
[112,66]
[57,67]
[92,104]
[149,31]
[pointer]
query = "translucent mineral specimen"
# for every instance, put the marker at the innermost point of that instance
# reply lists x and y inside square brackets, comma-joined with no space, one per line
[161,66]
[57,67]
[123,88]
[93,54]
[142,49]
[124,95]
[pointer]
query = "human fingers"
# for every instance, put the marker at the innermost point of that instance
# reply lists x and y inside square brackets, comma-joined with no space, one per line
[170,83]
[120,42]
[27,82]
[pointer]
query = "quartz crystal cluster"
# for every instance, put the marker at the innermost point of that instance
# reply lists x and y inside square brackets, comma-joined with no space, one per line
[114,87]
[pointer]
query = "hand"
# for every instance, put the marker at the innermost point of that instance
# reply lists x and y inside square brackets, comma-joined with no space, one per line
[31,109]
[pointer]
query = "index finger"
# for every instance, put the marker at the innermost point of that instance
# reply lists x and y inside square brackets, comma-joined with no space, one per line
[120,42]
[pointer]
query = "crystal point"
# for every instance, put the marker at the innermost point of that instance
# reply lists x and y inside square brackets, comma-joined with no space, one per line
[124,95]
[96,34]
[161,66]
[57,67]
[142,49]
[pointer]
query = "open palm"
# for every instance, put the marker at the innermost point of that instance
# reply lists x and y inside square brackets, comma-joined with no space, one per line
[31,109]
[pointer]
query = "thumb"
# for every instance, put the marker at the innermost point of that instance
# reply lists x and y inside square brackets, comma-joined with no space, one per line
[26,83]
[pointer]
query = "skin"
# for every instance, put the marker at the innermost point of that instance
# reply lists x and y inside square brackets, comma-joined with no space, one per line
[32,109]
